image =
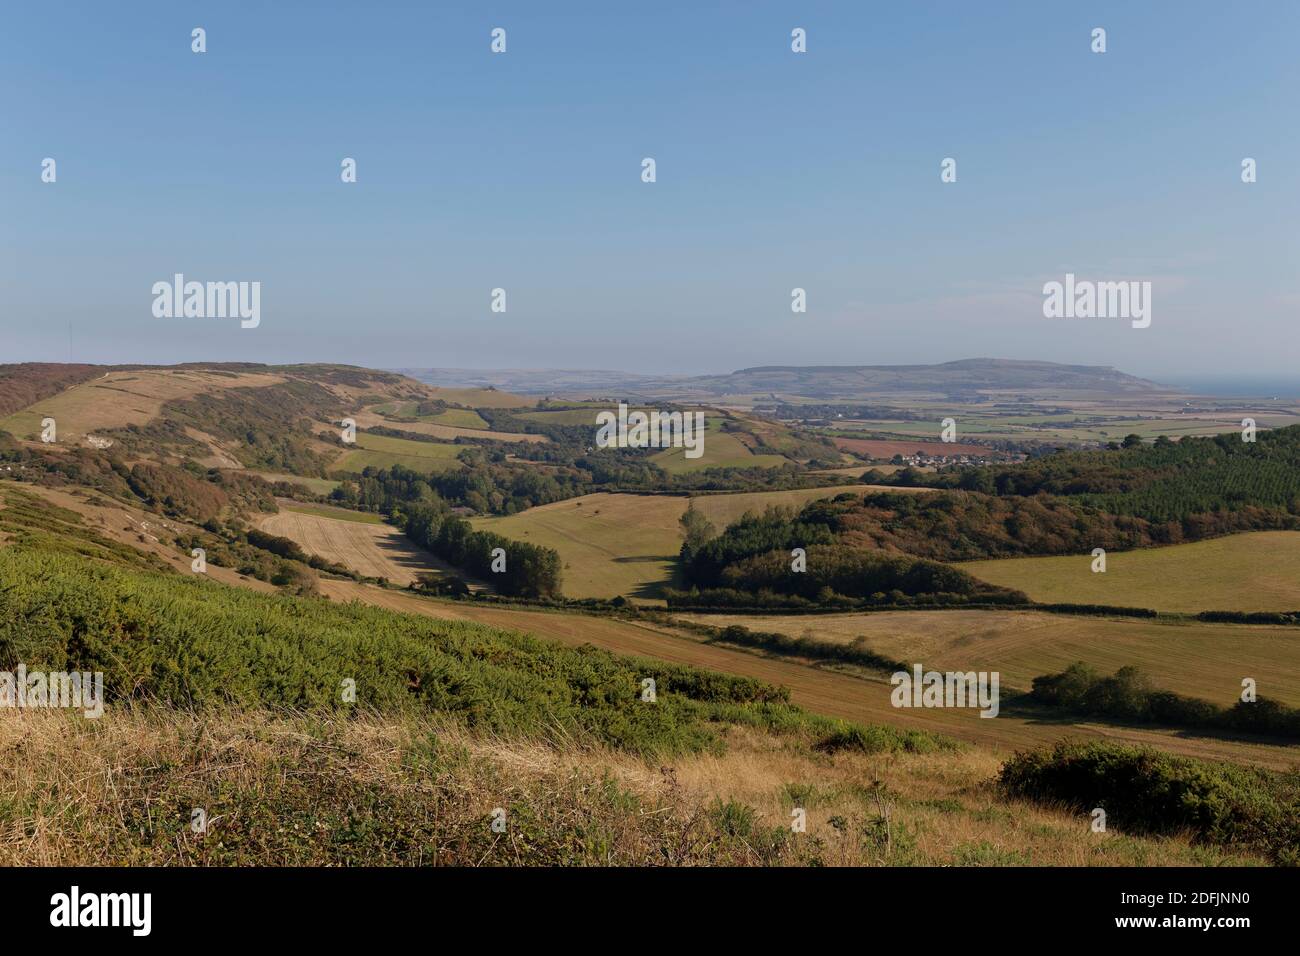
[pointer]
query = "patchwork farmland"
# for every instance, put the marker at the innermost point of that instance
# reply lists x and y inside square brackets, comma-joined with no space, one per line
[620,544]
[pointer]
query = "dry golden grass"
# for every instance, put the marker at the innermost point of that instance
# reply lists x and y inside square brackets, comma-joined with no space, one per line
[291,789]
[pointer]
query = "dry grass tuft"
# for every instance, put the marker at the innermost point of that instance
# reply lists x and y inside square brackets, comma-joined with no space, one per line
[291,789]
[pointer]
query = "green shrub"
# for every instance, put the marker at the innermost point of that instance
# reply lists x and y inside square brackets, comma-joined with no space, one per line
[876,739]
[1145,791]
[1127,695]
[187,641]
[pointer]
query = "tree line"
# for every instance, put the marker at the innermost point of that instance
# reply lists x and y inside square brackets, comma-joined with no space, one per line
[1194,482]
[514,567]
[801,555]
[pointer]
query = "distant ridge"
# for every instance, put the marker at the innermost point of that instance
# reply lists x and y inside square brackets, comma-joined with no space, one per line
[963,378]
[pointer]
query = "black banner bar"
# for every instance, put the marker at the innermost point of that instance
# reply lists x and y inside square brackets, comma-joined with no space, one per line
[335,906]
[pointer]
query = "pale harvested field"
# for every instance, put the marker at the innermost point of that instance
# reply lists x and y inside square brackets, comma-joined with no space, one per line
[815,688]
[375,550]
[1255,571]
[368,419]
[1201,660]
[117,399]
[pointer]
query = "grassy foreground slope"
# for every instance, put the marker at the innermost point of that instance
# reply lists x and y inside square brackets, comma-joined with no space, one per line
[227,701]
[1254,571]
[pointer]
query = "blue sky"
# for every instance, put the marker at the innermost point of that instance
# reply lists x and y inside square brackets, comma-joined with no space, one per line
[775,170]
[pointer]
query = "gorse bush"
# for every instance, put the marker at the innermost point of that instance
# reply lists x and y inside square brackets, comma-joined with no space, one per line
[1128,695]
[1146,791]
[189,642]
[870,740]
[276,544]
[175,491]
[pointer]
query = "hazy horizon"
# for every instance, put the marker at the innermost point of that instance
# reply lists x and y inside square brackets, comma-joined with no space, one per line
[1226,386]
[775,170]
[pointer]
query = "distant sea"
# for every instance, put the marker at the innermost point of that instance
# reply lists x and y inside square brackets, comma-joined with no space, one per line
[1242,387]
